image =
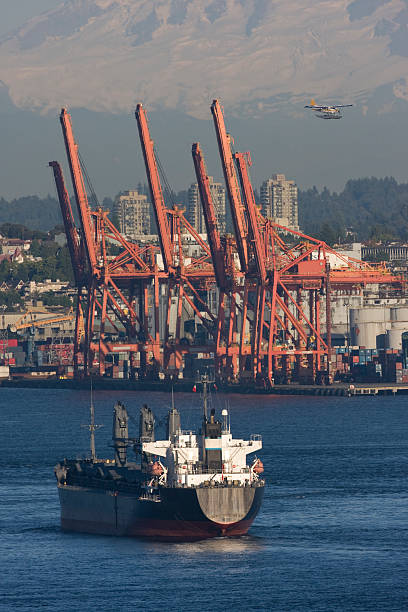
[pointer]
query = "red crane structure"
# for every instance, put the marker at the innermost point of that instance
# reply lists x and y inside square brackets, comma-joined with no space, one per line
[256,302]
[142,292]
[275,298]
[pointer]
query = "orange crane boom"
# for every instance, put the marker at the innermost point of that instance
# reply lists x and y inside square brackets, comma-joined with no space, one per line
[79,189]
[69,224]
[209,216]
[155,188]
[234,196]
[252,215]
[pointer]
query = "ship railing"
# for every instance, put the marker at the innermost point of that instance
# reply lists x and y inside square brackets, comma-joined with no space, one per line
[195,470]
[220,484]
[256,438]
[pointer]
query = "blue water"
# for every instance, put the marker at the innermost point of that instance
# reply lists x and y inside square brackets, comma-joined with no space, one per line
[332,534]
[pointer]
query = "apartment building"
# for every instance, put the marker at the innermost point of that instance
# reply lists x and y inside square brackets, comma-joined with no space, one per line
[132,210]
[279,201]
[194,209]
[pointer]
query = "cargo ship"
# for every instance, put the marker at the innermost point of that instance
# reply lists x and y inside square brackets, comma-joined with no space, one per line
[186,487]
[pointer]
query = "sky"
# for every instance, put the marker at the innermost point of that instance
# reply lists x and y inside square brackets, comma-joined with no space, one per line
[14,13]
[309,151]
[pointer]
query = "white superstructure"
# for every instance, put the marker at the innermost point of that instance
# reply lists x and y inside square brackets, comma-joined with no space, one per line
[214,456]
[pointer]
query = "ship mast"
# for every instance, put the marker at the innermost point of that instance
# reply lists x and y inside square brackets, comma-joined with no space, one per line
[205,381]
[92,428]
[205,395]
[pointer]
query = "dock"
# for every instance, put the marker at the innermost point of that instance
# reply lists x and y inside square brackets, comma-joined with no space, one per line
[184,385]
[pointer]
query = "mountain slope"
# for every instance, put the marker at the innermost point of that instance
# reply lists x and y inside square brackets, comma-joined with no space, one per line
[256,55]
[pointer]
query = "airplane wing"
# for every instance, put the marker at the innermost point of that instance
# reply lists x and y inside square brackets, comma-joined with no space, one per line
[327,106]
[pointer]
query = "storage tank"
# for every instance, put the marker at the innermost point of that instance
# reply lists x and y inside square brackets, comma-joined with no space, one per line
[393,339]
[368,323]
[399,324]
[399,313]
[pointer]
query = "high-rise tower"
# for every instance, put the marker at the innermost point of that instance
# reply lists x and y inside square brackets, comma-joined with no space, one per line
[279,200]
[132,210]
[195,211]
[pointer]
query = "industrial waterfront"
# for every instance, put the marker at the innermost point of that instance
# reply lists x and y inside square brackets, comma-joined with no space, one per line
[261,306]
[204,306]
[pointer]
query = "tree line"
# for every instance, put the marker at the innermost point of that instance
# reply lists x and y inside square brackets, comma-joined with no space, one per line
[366,209]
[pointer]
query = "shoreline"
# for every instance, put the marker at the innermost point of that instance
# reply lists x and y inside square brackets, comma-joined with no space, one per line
[338,390]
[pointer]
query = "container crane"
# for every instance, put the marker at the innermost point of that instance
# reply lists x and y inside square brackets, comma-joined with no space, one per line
[271,308]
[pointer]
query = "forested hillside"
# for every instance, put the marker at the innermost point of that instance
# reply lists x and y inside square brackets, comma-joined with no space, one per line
[32,212]
[372,208]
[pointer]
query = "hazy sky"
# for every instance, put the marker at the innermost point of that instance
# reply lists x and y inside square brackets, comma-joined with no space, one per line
[310,151]
[14,12]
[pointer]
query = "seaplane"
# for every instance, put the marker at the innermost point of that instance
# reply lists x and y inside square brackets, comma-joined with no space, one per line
[327,112]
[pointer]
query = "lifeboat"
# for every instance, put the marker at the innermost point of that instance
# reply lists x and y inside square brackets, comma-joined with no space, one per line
[258,466]
[156,468]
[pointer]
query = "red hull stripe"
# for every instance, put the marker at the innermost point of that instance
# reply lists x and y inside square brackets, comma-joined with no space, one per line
[169,530]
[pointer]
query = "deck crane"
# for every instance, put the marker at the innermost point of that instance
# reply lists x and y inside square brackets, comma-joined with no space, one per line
[234,196]
[155,188]
[71,232]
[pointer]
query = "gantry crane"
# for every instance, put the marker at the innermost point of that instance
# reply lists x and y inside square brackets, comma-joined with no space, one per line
[272,306]
[279,298]
[29,319]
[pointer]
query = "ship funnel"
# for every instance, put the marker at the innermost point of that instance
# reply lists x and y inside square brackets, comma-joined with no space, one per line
[225,420]
[173,423]
[120,433]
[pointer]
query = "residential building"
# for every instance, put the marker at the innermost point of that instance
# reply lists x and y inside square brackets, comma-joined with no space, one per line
[195,211]
[132,209]
[9,246]
[279,201]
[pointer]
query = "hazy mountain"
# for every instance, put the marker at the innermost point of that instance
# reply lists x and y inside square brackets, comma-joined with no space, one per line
[99,57]
[256,55]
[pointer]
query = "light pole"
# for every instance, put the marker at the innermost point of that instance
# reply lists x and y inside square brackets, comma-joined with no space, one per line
[346,303]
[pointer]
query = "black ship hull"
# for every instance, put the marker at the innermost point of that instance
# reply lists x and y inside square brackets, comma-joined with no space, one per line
[182,514]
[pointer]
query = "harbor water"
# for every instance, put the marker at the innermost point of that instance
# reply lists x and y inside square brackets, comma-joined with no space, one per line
[332,534]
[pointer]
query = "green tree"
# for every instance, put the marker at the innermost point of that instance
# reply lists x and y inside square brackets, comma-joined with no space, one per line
[10,299]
